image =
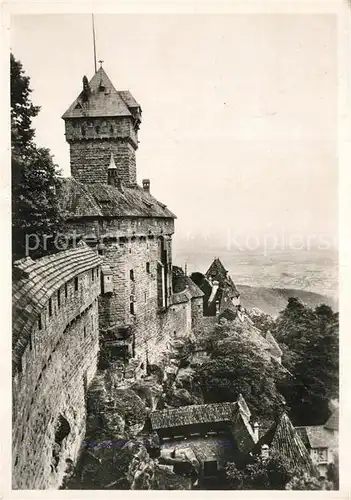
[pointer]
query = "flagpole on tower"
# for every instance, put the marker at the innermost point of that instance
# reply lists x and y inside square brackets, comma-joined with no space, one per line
[95,65]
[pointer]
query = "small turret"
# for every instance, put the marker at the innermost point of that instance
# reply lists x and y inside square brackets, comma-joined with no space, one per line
[112,172]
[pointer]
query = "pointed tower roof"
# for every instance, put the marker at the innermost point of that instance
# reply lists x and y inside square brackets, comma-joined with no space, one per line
[218,272]
[243,407]
[103,100]
[112,165]
[333,422]
[284,439]
[276,351]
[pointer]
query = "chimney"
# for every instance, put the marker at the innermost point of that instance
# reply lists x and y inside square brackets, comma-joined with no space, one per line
[146,185]
[120,185]
[256,431]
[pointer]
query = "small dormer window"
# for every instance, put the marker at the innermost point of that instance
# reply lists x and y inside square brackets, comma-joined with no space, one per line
[78,106]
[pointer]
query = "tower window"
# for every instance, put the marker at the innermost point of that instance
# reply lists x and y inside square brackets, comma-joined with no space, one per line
[59,298]
[131,274]
[148,267]
[76,284]
[92,274]
[131,305]
[40,323]
[66,290]
[50,307]
[97,129]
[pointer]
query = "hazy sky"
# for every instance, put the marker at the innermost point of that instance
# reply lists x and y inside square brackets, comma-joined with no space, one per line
[239,111]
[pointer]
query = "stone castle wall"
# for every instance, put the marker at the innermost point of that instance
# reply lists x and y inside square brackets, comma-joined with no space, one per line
[91,145]
[135,264]
[197,315]
[49,391]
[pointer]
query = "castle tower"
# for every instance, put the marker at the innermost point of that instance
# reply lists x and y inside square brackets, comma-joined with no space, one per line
[102,122]
[122,221]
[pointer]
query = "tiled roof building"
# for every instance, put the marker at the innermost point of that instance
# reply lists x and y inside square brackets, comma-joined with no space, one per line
[187,420]
[217,272]
[221,297]
[213,433]
[102,200]
[322,441]
[285,440]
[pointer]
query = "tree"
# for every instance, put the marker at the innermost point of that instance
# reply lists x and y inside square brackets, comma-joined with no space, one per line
[238,365]
[36,216]
[306,482]
[260,474]
[274,473]
[309,339]
[22,110]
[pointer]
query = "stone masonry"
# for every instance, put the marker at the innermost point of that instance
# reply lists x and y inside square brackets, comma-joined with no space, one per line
[90,155]
[65,303]
[124,223]
[55,348]
[99,122]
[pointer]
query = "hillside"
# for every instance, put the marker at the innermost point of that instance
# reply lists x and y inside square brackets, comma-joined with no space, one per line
[273,300]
